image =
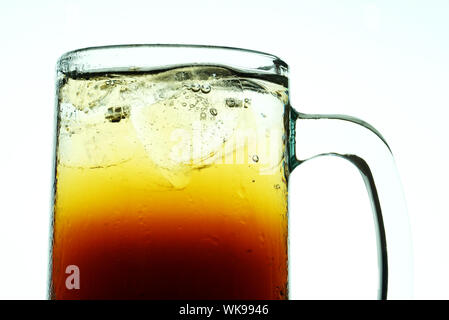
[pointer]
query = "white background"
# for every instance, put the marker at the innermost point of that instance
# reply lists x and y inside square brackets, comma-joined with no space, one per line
[383,61]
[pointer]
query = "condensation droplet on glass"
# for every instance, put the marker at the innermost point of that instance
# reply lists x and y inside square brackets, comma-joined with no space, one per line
[276,186]
[255,158]
[203,115]
[184,104]
[281,292]
[213,111]
[205,88]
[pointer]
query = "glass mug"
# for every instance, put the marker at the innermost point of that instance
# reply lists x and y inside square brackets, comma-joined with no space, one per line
[171,175]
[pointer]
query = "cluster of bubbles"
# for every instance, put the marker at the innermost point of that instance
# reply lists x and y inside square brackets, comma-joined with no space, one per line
[196,87]
[236,103]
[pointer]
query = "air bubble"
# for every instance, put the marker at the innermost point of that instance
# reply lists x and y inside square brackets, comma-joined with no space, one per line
[184,104]
[213,112]
[230,102]
[247,103]
[276,186]
[195,87]
[255,158]
[205,88]
[203,115]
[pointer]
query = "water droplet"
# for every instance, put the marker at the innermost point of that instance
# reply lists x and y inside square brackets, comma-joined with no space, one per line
[195,87]
[281,292]
[213,240]
[241,192]
[203,115]
[205,88]
[255,158]
[276,186]
[213,111]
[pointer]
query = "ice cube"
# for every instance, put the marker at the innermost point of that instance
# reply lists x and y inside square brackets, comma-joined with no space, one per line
[188,129]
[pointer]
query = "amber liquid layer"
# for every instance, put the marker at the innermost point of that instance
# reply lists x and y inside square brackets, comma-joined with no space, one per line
[225,240]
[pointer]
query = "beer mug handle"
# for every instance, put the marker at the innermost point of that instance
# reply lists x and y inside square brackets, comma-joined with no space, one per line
[358,142]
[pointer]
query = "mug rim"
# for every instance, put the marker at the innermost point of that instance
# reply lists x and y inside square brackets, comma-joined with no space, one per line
[98,58]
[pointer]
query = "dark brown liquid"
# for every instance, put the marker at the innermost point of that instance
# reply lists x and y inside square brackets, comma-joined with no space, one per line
[179,264]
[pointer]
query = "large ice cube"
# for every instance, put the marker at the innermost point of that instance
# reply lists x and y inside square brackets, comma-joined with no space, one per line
[187,130]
